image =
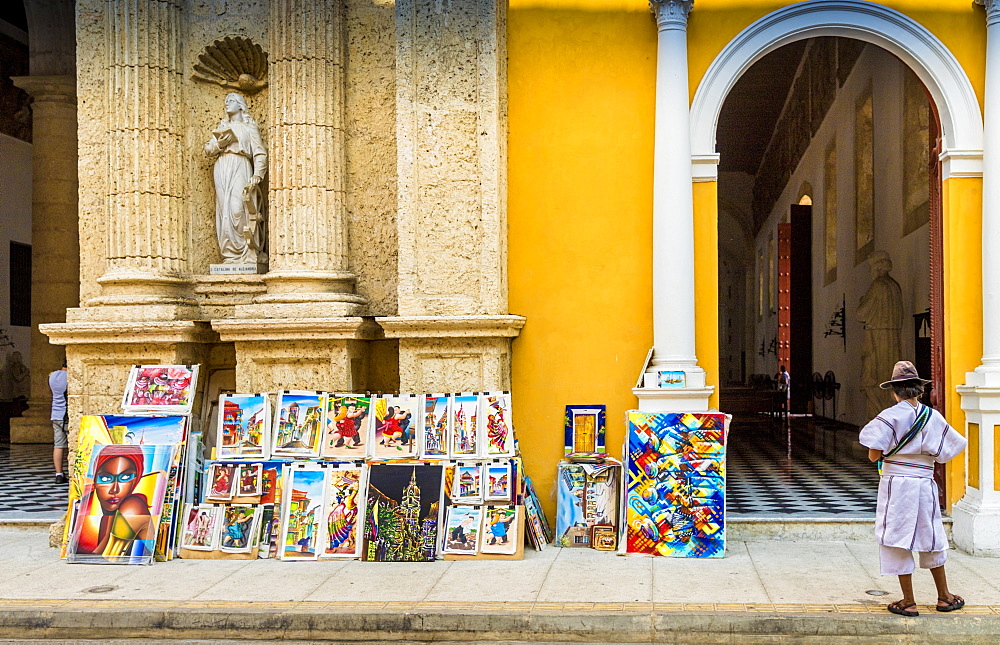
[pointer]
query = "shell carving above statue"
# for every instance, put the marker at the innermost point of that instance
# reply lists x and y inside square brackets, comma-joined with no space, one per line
[234,62]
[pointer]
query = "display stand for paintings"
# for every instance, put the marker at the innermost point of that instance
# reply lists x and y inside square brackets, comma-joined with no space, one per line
[216,555]
[517,555]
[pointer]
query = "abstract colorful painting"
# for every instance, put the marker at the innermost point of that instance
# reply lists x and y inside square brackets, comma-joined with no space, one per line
[298,423]
[464,431]
[119,514]
[201,527]
[243,428]
[585,427]
[397,419]
[437,426]
[343,514]
[401,518]
[347,426]
[497,482]
[463,530]
[302,510]
[587,496]
[496,432]
[161,388]
[501,526]
[675,484]
[467,488]
[240,528]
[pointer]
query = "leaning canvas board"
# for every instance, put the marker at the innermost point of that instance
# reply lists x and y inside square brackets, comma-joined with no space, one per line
[496,434]
[397,421]
[163,389]
[498,482]
[243,427]
[501,526]
[402,515]
[437,426]
[240,522]
[298,424]
[675,484]
[348,420]
[201,527]
[301,510]
[119,514]
[467,487]
[464,428]
[463,530]
[343,514]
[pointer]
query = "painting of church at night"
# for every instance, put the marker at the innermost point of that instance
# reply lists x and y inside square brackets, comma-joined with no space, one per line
[402,513]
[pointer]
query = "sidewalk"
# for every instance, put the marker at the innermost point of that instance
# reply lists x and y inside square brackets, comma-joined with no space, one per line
[759,590]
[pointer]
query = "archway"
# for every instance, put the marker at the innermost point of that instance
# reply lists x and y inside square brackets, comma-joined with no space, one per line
[946,84]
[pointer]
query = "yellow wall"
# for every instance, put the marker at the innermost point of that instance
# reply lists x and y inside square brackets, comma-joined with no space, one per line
[579,227]
[581,105]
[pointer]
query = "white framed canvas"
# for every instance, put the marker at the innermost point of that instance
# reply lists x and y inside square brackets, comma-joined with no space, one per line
[220,481]
[497,482]
[249,480]
[501,525]
[240,523]
[347,426]
[243,429]
[303,500]
[297,430]
[397,420]
[437,426]
[463,530]
[496,431]
[164,389]
[467,487]
[344,511]
[201,527]
[464,425]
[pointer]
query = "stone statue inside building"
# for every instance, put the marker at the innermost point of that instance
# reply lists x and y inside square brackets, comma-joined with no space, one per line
[881,312]
[240,166]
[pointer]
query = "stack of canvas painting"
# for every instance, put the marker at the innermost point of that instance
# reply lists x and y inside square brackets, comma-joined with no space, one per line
[587,498]
[675,484]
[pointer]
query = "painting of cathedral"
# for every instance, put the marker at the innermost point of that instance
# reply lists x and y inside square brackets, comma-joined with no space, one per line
[403,502]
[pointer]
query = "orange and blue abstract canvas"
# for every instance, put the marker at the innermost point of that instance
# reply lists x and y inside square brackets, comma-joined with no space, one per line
[676,483]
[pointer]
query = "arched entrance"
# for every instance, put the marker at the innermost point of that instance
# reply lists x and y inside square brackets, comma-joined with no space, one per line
[933,65]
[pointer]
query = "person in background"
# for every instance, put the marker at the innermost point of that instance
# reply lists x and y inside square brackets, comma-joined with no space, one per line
[60,421]
[907,439]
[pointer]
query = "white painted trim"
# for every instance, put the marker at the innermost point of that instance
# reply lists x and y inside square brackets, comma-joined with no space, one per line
[922,51]
[705,168]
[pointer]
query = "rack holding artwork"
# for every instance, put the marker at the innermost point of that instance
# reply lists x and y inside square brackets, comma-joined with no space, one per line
[299,475]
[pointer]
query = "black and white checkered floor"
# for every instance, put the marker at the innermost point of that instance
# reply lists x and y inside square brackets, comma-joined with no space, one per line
[27,483]
[827,475]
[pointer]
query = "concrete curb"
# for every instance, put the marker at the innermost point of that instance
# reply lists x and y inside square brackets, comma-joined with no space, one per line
[105,621]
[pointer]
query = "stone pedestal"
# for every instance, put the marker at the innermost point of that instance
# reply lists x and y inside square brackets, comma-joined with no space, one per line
[453,353]
[976,527]
[55,275]
[308,354]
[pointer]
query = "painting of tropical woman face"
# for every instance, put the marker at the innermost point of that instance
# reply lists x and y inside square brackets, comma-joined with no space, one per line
[114,481]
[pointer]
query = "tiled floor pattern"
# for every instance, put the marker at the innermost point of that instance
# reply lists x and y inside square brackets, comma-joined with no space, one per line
[811,471]
[27,481]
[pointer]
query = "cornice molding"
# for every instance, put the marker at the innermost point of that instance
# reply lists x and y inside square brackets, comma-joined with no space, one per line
[131,333]
[284,329]
[672,14]
[451,326]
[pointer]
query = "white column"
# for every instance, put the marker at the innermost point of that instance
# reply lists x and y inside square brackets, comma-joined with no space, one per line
[977,515]
[673,223]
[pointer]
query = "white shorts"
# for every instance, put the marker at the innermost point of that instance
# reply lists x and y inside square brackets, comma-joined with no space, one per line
[899,562]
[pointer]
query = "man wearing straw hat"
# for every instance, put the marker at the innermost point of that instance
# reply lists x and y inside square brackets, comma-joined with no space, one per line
[906,440]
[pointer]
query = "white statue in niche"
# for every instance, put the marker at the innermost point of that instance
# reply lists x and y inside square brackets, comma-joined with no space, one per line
[881,311]
[239,168]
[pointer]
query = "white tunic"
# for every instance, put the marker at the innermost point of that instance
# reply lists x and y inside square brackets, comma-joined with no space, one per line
[908,515]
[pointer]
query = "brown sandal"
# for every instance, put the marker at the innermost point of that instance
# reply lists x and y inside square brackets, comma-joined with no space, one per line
[903,610]
[956,602]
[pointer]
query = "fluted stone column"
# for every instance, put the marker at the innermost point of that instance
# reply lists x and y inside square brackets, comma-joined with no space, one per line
[453,327]
[977,515]
[309,269]
[673,223]
[55,275]
[148,231]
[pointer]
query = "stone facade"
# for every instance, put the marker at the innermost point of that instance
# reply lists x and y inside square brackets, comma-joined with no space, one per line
[386,198]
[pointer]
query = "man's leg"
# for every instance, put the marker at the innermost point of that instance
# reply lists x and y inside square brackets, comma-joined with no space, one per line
[935,562]
[59,445]
[894,561]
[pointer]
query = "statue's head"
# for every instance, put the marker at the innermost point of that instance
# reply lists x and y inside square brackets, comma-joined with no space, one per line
[236,103]
[880,264]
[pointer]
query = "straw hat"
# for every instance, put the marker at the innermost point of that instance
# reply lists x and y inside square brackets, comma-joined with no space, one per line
[902,372]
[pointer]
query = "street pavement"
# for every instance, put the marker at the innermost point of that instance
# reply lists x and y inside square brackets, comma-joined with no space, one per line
[761,591]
